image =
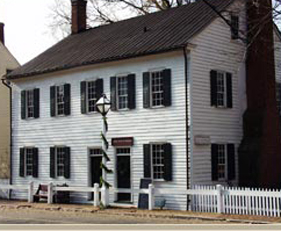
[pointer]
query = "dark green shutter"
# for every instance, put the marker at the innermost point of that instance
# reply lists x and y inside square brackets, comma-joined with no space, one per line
[231,161]
[23,105]
[167,87]
[52,162]
[146,161]
[67,162]
[168,162]
[67,99]
[132,91]
[22,160]
[36,93]
[229,89]
[146,90]
[83,92]
[53,100]
[213,76]
[113,93]
[99,88]
[35,162]
[214,150]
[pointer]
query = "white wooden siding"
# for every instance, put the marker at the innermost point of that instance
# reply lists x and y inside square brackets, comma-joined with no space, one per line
[214,50]
[80,131]
[277,51]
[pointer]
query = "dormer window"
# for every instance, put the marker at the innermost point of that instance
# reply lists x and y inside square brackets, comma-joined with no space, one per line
[234,22]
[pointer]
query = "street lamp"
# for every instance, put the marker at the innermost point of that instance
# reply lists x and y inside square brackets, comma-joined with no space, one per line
[103,106]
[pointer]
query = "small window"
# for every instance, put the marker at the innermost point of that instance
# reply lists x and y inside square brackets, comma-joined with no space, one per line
[157,91]
[234,27]
[278,97]
[30,104]
[221,89]
[28,162]
[60,162]
[222,167]
[92,95]
[60,100]
[157,161]
[122,92]
[95,152]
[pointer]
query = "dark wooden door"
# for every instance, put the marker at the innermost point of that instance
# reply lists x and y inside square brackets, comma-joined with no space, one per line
[96,170]
[124,177]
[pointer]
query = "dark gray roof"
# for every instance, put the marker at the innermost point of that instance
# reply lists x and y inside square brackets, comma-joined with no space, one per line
[165,31]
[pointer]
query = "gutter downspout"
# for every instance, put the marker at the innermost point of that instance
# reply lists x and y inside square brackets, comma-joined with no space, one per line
[7,84]
[187,138]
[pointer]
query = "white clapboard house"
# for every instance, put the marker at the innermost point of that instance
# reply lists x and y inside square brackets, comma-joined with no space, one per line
[176,81]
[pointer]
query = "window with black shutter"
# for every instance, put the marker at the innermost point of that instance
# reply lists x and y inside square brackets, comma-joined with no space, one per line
[30,103]
[158,161]
[234,22]
[91,91]
[60,100]
[28,162]
[157,89]
[223,162]
[221,89]
[60,162]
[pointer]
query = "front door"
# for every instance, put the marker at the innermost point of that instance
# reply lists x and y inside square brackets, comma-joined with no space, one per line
[96,171]
[123,173]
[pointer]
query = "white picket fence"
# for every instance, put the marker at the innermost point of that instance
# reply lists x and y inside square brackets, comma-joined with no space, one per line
[234,200]
[212,199]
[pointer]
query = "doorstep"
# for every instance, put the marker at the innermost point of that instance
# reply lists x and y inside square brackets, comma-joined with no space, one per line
[122,205]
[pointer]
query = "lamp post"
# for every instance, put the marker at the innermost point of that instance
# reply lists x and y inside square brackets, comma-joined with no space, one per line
[103,106]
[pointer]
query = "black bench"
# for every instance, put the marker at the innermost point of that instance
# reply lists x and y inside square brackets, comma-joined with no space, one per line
[42,192]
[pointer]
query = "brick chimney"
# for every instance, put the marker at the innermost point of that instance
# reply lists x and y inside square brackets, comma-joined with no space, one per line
[2,37]
[79,16]
[260,150]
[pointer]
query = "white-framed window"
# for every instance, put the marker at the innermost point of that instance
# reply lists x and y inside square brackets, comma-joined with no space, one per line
[222,160]
[60,100]
[91,96]
[60,155]
[95,152]
[221,89]
[157,88]
[122,92]
[278,97]
[29,161]
[30,103]
[157,164]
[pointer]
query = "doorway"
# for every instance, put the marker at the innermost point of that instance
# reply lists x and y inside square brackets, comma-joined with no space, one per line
[95,171]
[123,170]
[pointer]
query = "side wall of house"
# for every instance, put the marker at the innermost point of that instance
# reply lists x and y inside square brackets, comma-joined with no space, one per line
[7,61]
[79,131]
[277,40]
[215,50]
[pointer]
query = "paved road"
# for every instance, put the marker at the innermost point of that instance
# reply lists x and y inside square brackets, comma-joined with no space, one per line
[29,216]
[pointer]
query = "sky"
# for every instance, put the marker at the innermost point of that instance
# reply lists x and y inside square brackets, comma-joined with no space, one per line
[26,31]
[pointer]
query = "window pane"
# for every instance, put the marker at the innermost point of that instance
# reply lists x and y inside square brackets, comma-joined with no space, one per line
[122,86]
[96,152]
[60,100]
[92,96]
[157,88]
[30,103]
[221,89]
[221,162]
[29,162]
[158,161]
[60,161]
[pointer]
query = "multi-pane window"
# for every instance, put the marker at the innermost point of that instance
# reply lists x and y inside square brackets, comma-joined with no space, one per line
[122,92]
[60,161]
[124,151]
[221,89]
[95,152]
[92,95]
[60,100]
[221,162]
[234,27]
[157,161]
[157,90]
[29,161]
[30,103]
[278,97]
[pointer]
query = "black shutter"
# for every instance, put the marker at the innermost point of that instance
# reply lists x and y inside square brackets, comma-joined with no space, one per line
[67,162]
[83,91]
[167,87]
[213,75]
[146,161]
[23,105]
[35,162]
[168,162]
[22,160]
[214,162]
[229,89]
[36,94]
[53,100]
[52,162]
[113,93]
[132,91]
[146,90]
[231,161]
[67,106]
[99,88]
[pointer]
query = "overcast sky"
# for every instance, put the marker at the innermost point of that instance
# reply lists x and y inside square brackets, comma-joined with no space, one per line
[26,31]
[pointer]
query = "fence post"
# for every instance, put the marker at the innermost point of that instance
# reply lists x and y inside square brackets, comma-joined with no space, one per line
[30,192]
[50,193]
[96,195]
[150,197]
[219,199]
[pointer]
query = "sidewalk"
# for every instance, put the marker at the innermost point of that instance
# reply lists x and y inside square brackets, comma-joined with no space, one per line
[171,214]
